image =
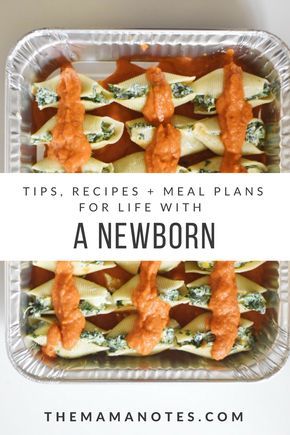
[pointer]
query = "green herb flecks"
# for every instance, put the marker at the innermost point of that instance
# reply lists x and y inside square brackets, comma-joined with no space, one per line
[205,103]
[266,91]
[94,337]
[253,302]
[199,339]
[199,295]
[117,343]
[168,336]
[134,91]
[170,295]
[179,90]
[107,131]
[256,133]
[45,97]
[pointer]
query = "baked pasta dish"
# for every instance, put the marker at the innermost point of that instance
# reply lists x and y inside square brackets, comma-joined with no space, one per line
[209,309]
[184,115]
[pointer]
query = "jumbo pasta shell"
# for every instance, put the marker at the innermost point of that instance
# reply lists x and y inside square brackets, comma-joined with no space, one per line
[93,95]
[123,296]
[133,266]
[199,293]
[208,131]
[193,266]
[142,132]
[132,93]
[79,267]
[213,165]
[91,166]
[82,348]
[100,131]
[212,85]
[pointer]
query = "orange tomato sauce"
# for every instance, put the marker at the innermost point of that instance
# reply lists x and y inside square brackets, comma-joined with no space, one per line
[163,153]
[126,69]
[69,145]
[159,105]
[65,301]
[158,108]
[183,313]
[153,313]
[234,114]
[225,309]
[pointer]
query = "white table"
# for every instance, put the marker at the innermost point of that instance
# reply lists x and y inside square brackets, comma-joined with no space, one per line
[266,404]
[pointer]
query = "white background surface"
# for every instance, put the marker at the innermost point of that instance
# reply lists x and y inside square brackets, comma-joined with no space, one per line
[265,404]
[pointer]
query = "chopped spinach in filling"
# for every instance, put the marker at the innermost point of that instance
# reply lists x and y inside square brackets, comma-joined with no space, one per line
[179,90]
[117,343]
[265,92]
[94,337]
[205,103]
[253,302]
[88,309]
[199,295]
[140,124]
[168,336]
[98,96]
[170,295]
[205,265]
[38,307]
[134,91]
[107,131]
[256,133]
[45,96]
[208,265]
[198,338]
[44,138]
[244,340]
[143,126]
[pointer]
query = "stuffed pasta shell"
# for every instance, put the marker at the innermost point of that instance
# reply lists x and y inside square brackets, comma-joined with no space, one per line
[198,135]
[169,290]
[213,166]
[135,163]
[53,166]
[92,339]
[132,93]
[142,132]
[133,266]
[197,338]
[208,132]
[94,299]
[206,267]
[93,95]
[99,131]
[117,343]
[250,294]
[207,89]
[79,267]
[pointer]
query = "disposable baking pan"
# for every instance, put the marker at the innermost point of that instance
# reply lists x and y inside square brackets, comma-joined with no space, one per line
[94,53]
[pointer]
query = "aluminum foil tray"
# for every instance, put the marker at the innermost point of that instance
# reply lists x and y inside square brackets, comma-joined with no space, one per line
[94,53]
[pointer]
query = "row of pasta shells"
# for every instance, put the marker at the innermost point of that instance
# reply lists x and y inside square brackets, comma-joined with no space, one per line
[195,136]
[132,93]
